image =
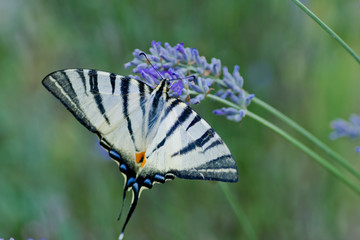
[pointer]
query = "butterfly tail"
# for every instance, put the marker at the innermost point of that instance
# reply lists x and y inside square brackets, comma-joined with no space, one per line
[123,201]
[136,191]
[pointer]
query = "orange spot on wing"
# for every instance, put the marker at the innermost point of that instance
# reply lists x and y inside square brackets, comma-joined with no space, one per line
[143,163]
[140,158]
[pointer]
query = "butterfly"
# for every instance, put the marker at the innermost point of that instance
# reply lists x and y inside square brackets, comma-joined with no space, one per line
[151,136]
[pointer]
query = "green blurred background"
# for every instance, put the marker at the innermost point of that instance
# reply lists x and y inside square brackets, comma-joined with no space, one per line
[55,183]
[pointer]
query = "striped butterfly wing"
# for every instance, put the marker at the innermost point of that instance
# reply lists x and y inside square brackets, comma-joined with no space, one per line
[187,147]
[106,104]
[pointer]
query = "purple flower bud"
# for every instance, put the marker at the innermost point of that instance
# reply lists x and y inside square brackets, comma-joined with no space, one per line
[236,99]
[199,71]
[238,79]
[181,52]
[137,78]
[226,74]
[155,59]
[156,48]
[248,99]
[127,65]
[235,118]
[195,87]
[177,87]
[223,93]
[230,113]
[197,99]
[357,149]
[137,55]
[215,66]
[148,77]
[355,119]
[226,111]
[343,128]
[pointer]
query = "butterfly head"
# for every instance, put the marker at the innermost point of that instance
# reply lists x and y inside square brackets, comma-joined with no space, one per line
[163,86]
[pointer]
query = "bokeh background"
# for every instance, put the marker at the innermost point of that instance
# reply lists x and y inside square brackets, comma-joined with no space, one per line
[55,183]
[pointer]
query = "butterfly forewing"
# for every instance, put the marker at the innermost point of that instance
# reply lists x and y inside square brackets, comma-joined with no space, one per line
[105,103]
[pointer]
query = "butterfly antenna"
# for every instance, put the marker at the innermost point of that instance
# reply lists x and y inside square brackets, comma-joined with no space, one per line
[148,61]
[135,188]
[176,79]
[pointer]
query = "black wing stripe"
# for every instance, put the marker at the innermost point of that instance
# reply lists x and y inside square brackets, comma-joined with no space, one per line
[142,96]
[169,108]
[82,77]
[182,118]
[214,144]
[200,142]
[124,90]
[141,86]
[156,103]
[194,121]
[94,89]
[53,85]
[222,162]
[63,80]
[222,168]
[112,82]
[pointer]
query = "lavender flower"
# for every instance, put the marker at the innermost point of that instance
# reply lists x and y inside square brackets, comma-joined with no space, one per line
[349,129]
[344,128]
[231,113]
[179,62]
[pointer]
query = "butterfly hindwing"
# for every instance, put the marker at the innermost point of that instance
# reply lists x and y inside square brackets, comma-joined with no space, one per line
[187,147]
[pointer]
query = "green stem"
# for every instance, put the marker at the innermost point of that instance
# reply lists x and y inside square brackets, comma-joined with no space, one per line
[328,166]
[309,136]
[239,212]
[327,29]
[305,149]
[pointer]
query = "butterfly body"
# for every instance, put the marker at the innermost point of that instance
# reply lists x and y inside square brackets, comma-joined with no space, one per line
[151,136]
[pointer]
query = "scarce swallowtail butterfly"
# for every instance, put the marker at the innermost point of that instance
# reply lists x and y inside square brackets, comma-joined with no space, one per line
[151,136]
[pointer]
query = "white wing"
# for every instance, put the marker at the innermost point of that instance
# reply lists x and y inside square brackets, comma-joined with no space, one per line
[110,105]
[187,147]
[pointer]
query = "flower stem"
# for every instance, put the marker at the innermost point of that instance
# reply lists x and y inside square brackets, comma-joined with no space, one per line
[327,29]
[239,212]
[305,149]
[338,158]
[328,166]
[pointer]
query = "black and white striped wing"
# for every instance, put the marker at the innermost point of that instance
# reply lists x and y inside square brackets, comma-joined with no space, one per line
[105,103]
[187,147]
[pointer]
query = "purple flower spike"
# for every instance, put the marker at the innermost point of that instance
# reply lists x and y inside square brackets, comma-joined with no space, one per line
[180,62]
